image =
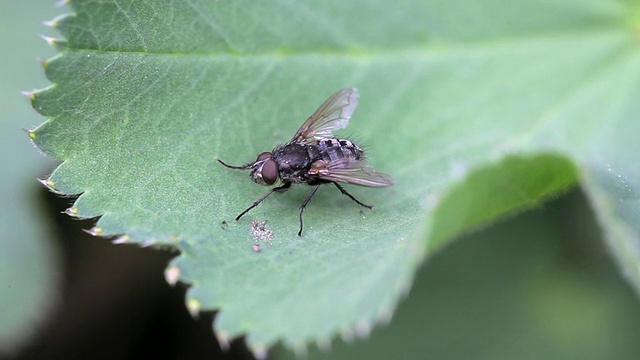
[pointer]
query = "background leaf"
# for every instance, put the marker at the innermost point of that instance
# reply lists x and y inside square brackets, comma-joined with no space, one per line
[28,277]
[540,285]
[146,97]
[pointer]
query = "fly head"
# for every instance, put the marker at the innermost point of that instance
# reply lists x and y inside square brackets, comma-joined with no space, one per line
[264,170]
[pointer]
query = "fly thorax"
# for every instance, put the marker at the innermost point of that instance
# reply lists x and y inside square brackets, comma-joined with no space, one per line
[292,157]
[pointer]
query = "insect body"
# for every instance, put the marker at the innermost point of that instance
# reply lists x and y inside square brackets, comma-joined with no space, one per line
[314,156]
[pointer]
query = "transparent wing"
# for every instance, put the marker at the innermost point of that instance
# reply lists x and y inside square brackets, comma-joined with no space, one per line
[351,171]
[332,115]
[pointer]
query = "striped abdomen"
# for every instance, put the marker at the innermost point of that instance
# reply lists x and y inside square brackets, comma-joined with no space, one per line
[333,149]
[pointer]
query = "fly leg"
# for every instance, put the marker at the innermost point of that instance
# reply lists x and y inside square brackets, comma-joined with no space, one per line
[304,204]
[342,190]
[282,188]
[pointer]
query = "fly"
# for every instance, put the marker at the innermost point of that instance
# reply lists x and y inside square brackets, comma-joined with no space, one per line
[314,156]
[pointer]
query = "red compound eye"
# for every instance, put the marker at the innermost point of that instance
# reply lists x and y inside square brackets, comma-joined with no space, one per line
[264,156]
[270,171]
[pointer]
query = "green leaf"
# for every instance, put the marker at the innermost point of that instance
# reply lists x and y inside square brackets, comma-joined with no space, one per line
[521,182]
[458,102]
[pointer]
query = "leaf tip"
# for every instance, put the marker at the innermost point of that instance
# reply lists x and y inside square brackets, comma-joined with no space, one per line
[172,275]
[62,3]
[72,211]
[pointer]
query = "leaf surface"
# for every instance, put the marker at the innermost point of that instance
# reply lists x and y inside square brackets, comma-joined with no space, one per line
[455,98]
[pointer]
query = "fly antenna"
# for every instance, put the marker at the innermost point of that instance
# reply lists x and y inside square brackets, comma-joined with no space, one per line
[243,167]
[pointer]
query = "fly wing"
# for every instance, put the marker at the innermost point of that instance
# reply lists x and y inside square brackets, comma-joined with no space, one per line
[351,171]
[332,115]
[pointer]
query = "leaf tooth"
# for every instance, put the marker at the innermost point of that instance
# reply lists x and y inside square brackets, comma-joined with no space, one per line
[193,306]
[58,44]
[148,243]
[384,315]
[324,343]
[50,40]
[404,286]
[45,182]
[121,239]
[172,275]
[300,348]
[62,3]
[72,211]
[260,351]
[31,95]
[346,334]
[223,339]
[30,133]
[95,231]
[51,23]
[48,183]
[363,328]
[44,63]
